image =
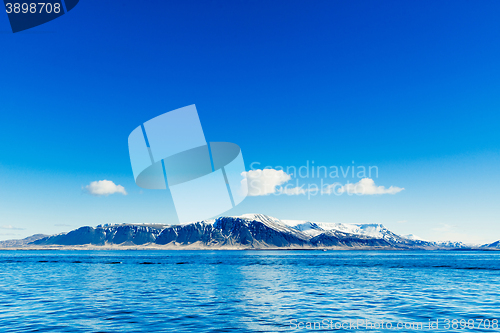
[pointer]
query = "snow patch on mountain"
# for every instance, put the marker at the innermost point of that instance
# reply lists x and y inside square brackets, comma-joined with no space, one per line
[316,228]
[495,245]
[413,237]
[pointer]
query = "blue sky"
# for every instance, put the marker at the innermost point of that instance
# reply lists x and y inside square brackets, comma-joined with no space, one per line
[411,87]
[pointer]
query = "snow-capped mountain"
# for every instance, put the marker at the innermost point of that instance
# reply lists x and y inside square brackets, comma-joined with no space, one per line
[316,228]
[446,244]
[377,231]
[249,231]
[21,242]
[413,237]
[495,245]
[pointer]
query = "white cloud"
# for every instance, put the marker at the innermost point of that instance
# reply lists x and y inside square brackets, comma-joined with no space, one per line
[270,181]
[264,182]
[9,227]
[294,190]
[104,187]
[365,186]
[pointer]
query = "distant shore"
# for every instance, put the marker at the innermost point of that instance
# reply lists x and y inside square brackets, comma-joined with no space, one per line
[197,247]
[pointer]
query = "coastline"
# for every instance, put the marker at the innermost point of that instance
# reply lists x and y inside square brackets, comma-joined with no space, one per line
[197,247]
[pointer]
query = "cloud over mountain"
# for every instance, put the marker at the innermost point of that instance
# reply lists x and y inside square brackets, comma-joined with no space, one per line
[104,188]
[366,186]
[264,182]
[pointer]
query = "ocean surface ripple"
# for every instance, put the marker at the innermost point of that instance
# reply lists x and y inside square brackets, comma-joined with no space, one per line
[247,291]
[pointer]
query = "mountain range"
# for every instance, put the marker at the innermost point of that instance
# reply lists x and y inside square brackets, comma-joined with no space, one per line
[249,231]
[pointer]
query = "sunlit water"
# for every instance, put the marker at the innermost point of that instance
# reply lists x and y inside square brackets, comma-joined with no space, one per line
[246,291]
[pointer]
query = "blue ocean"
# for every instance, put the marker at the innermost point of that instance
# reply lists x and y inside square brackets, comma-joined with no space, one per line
[249,291]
